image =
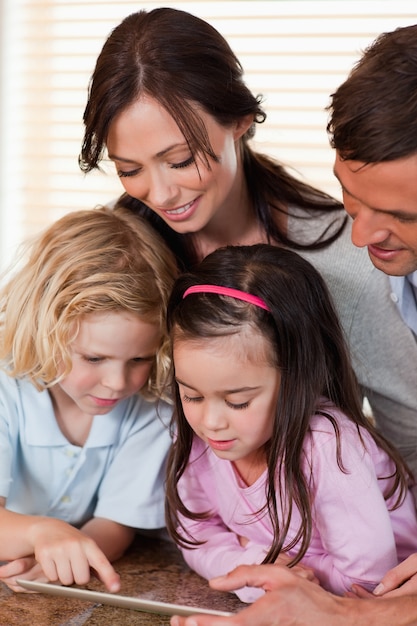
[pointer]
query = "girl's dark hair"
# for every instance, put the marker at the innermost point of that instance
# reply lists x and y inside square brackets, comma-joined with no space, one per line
[184,63]
[308,347]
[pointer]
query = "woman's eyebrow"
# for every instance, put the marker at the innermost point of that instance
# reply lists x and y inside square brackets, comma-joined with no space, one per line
[162,153]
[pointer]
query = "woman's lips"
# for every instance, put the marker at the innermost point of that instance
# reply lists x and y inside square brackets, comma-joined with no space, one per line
[181,213]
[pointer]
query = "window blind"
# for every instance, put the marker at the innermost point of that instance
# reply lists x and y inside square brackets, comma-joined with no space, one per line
[294,52]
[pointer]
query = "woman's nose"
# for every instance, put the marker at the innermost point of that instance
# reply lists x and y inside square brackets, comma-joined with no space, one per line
[161,192]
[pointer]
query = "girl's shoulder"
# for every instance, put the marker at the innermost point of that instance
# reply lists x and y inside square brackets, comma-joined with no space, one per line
[322,423]
[329,421]
[330,429]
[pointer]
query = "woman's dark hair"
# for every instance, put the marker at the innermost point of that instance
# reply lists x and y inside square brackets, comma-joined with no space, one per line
[373,114]
[184,63]
[306,344]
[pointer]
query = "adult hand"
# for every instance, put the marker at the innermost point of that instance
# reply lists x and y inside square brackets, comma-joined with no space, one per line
[291,600]
[399,581]
[243,540]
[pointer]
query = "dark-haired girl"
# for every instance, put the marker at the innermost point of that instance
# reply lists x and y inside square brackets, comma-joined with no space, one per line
[273,454]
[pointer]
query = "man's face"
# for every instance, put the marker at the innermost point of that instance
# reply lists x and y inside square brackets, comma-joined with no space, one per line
[381,198]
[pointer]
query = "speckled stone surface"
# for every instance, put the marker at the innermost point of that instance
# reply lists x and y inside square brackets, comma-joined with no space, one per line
[153,569]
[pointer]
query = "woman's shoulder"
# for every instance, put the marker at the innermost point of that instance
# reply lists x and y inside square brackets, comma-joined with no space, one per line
[349,273]
[307,226]
[341,254]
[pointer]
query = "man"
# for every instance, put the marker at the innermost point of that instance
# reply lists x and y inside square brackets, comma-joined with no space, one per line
[373,128]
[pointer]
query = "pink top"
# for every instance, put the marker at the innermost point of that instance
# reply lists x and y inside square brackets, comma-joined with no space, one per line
[355,538]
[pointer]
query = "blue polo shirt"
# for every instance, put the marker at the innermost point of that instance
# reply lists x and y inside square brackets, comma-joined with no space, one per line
[118,474]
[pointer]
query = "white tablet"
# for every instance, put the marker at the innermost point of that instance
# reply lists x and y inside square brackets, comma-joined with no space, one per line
[124,602]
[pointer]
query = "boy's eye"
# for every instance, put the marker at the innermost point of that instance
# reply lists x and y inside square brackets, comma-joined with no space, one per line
[92,359]
[140,359]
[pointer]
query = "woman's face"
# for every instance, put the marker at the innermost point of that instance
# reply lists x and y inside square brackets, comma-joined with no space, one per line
[155,166]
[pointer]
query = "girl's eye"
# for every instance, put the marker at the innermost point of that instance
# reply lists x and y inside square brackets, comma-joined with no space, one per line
[242,405]
[186,398]
[186,163]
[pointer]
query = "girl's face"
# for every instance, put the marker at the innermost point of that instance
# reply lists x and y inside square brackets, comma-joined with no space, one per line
[155,165]
[111,360]
[228,398]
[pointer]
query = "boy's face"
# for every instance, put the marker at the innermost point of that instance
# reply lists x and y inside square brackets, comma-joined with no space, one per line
[382,200]
[112,356]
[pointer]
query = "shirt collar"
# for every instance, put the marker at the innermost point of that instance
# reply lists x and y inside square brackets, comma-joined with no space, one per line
[399,284]
[404,294]
[413,279]
[41,427]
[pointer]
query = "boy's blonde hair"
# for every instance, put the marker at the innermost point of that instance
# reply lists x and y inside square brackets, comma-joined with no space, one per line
[89,261]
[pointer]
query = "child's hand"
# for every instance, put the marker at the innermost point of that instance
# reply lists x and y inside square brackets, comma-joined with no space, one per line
[282,559]
[358,592]
[66,555]
[243,541]
[301,570]
[26,568]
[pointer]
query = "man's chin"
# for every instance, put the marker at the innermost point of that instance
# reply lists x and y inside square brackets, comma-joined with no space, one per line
[394,267]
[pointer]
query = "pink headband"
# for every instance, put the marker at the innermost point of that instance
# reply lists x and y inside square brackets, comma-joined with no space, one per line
[227,291]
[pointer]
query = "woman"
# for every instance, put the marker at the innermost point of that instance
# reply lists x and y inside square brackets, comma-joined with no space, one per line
[168,103]
[149,76]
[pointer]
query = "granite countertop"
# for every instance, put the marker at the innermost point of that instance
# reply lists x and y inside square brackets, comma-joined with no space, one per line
[153,569]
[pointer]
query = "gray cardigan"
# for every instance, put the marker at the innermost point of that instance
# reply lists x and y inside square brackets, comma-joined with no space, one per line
[383,348]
